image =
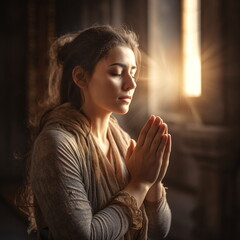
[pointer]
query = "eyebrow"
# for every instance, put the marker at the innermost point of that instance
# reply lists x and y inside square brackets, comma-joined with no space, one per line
[122,65]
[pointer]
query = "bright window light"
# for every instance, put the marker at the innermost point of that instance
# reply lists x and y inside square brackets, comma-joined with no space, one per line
[191,48]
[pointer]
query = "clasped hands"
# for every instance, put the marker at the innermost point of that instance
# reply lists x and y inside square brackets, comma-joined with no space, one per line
[147,160]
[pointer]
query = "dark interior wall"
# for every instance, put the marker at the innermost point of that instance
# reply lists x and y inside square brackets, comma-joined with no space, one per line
[13,59]
[232,33]
[218,154]
[220,63]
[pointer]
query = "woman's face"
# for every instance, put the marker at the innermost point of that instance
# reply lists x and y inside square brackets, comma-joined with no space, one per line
[112,84]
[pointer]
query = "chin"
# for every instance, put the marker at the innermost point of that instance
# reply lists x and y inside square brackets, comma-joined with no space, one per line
[122,111]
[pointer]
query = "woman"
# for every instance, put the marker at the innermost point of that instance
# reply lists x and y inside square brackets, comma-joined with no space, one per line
[88,179]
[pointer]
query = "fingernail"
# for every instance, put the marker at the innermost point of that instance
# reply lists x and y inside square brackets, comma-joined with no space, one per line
[158,118]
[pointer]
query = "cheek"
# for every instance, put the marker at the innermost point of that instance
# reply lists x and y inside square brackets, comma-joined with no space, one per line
[102,85]
[115,83]
[109,86]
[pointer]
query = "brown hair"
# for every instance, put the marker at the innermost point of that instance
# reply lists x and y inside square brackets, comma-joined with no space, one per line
[84,48]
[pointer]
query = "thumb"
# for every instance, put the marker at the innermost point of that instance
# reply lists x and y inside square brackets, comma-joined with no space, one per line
[130,149]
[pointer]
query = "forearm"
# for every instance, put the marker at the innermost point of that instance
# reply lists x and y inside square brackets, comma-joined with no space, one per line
[110,223]
[158,212]
[159,219]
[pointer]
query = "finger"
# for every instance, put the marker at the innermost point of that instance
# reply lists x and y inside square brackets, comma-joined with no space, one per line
[158,137]
[166,128]
[162,146]
[130,149]
[144,131]
[151,133]
[169,144]
[134,143]
[161,121]
[166,158]
[160,154]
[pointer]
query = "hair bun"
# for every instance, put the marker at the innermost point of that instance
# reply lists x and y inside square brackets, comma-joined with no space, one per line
[61,47]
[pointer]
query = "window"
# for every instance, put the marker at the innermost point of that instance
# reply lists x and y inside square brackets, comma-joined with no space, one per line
[191,48]
[173,55]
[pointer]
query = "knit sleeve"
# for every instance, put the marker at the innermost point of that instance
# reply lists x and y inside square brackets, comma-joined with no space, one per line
[58,187]
[159,218]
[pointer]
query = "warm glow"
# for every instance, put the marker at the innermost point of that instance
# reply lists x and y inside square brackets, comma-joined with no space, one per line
[191,48]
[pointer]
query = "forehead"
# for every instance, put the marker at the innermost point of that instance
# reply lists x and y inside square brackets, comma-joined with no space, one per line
[121,54]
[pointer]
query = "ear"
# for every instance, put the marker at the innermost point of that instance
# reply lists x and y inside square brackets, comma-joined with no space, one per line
[79,76]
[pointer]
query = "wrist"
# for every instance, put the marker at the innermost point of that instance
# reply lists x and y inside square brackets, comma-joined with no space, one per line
[157,185]
[156,192]
[138,191]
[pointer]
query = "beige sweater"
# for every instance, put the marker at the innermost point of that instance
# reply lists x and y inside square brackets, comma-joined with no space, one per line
[74,184]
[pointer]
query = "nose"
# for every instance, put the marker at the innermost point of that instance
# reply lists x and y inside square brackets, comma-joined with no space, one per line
[129,83]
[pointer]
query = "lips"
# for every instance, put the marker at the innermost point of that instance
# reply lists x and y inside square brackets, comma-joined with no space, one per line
[125,97]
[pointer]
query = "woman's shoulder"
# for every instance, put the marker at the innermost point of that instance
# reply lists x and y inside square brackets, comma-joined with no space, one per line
[55,132]
[55,138]
[55,151]
[55,147]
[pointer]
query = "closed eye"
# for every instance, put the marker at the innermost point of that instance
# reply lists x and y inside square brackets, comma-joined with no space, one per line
[119,75]
[116,74]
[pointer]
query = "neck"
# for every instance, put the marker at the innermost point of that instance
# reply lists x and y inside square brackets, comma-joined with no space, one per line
[99,123]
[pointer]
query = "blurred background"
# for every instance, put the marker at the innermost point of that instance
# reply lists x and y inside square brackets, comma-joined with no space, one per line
[190,77]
